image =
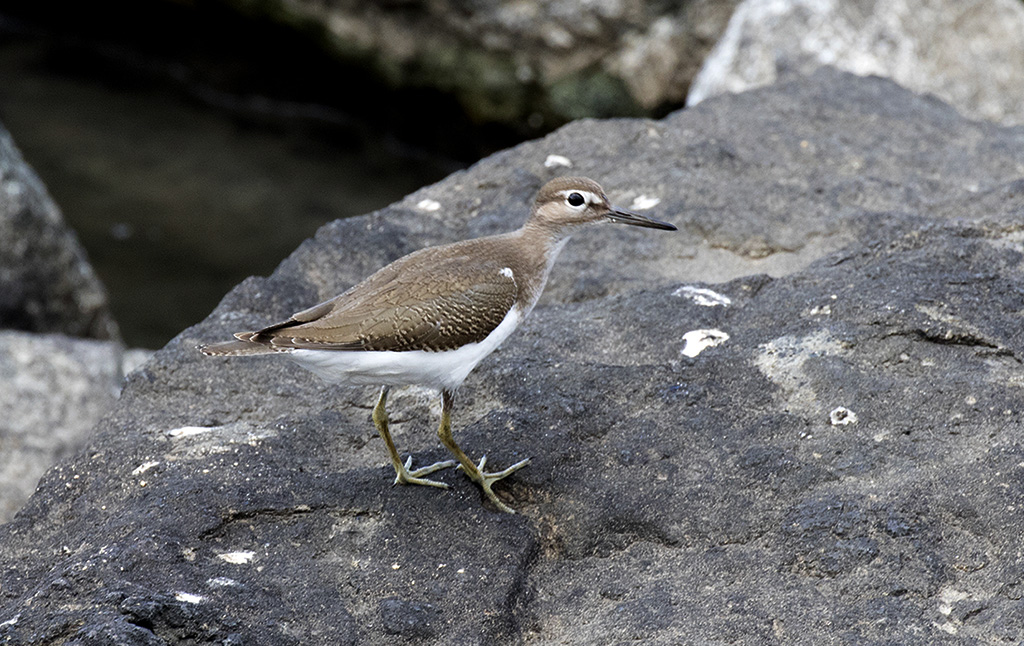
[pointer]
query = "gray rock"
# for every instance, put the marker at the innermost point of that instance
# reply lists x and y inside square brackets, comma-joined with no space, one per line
[698,497]
[533,62]
[970,54]
[53,391]
[46,282]
[408,618]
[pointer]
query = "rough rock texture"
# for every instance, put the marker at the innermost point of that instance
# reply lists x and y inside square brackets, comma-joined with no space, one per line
[514,62]
[967,52]
[53,390]
[46,283]
[844,468]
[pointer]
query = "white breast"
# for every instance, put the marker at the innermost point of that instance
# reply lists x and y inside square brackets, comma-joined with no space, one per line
[441,370]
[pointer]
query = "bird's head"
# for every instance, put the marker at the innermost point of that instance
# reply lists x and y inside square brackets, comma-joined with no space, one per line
[567,203]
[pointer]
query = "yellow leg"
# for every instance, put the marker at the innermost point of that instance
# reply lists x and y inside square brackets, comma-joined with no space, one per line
[403,475]
[475,472]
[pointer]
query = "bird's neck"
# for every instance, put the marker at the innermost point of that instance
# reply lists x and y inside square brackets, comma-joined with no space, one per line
[539,248]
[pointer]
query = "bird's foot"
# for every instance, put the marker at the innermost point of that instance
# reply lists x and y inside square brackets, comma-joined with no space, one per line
[485,480]
[405,476]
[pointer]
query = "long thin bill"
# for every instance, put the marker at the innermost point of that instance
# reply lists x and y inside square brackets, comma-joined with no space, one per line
[629,217]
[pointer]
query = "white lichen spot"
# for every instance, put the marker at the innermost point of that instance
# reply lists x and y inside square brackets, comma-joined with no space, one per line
[782,360]
[554,161]
[696,341]
[222,582]
[841,416]
[237,558]
[144,467]
[395,566]
[185,431]
[10,622]
[428,205]
[703,296]
[644,202]
[947,628]
[186,597]
[14,190]
[950,596]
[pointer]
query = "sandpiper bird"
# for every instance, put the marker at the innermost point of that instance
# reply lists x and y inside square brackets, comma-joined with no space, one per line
[429,318]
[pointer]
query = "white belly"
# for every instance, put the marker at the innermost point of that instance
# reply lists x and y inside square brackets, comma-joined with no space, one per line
[441,370]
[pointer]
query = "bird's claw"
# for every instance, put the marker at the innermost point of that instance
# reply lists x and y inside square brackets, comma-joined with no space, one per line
[485,480]
[405,476]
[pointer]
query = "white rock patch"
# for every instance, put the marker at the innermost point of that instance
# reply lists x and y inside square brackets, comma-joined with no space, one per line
[703,296]
[237,558]
[185,431]
[187,597]
[144,467]
[696,341]
[842,416]
[428,205]
[644,202]
[557,160]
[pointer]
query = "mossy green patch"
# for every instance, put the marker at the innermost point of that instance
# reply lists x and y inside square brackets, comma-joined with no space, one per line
[591,92]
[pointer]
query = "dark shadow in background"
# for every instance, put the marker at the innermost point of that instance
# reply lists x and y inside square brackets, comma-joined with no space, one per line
[190,147]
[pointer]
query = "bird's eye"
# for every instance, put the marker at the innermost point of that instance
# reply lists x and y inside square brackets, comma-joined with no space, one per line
[575,199]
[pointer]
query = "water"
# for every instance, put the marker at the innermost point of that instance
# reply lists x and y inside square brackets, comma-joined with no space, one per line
[181,186]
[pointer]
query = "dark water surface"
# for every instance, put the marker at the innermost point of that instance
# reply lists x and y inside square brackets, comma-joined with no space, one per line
[179,195]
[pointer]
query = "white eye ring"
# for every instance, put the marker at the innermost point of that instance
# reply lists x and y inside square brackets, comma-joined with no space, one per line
[576,200]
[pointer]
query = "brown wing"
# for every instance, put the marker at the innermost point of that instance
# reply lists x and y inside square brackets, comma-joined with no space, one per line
[430,305]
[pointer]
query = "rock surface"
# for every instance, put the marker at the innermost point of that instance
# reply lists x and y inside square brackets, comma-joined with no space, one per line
[970,54]
[46,282]
[528,61]
[845,467]
[53,390]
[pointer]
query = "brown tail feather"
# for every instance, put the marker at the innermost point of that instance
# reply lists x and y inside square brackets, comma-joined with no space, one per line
[236,349]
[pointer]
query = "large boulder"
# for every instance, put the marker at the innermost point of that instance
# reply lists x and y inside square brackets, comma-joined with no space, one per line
[53,386]
[46,282]
[53,390]
[969,53]
[523,62]
[844,466]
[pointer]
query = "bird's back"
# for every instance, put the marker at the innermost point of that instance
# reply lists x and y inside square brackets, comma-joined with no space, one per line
[434,299]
